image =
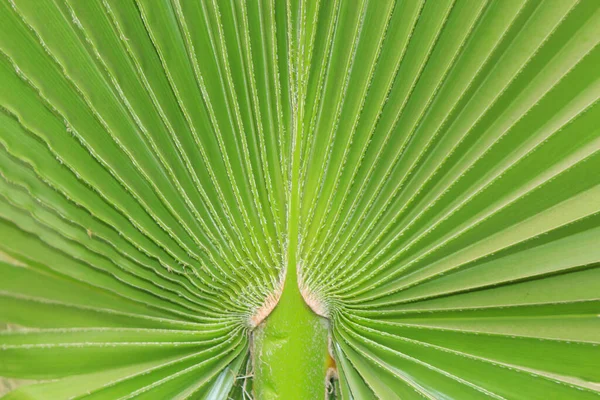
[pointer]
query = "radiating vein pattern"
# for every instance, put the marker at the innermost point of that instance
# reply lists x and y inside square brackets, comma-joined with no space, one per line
[440,160]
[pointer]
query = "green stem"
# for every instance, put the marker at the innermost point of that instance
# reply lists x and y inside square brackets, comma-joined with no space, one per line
[290,349]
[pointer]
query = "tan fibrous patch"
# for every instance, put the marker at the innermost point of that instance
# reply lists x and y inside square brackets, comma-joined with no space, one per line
[266,309]
[312,299]
[314,302]
[269,304]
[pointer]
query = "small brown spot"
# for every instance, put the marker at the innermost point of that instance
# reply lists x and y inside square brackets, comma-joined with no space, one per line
[330,363]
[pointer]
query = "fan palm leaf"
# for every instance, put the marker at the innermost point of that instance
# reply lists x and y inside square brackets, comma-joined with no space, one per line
[300,199]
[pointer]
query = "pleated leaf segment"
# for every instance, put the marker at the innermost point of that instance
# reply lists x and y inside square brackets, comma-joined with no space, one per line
[300,199]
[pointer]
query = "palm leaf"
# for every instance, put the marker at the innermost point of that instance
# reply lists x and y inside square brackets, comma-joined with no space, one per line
[300,199]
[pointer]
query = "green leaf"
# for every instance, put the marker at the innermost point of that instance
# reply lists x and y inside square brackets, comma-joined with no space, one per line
[300,199]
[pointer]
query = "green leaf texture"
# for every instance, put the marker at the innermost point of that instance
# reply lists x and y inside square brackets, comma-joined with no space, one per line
[426,173]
